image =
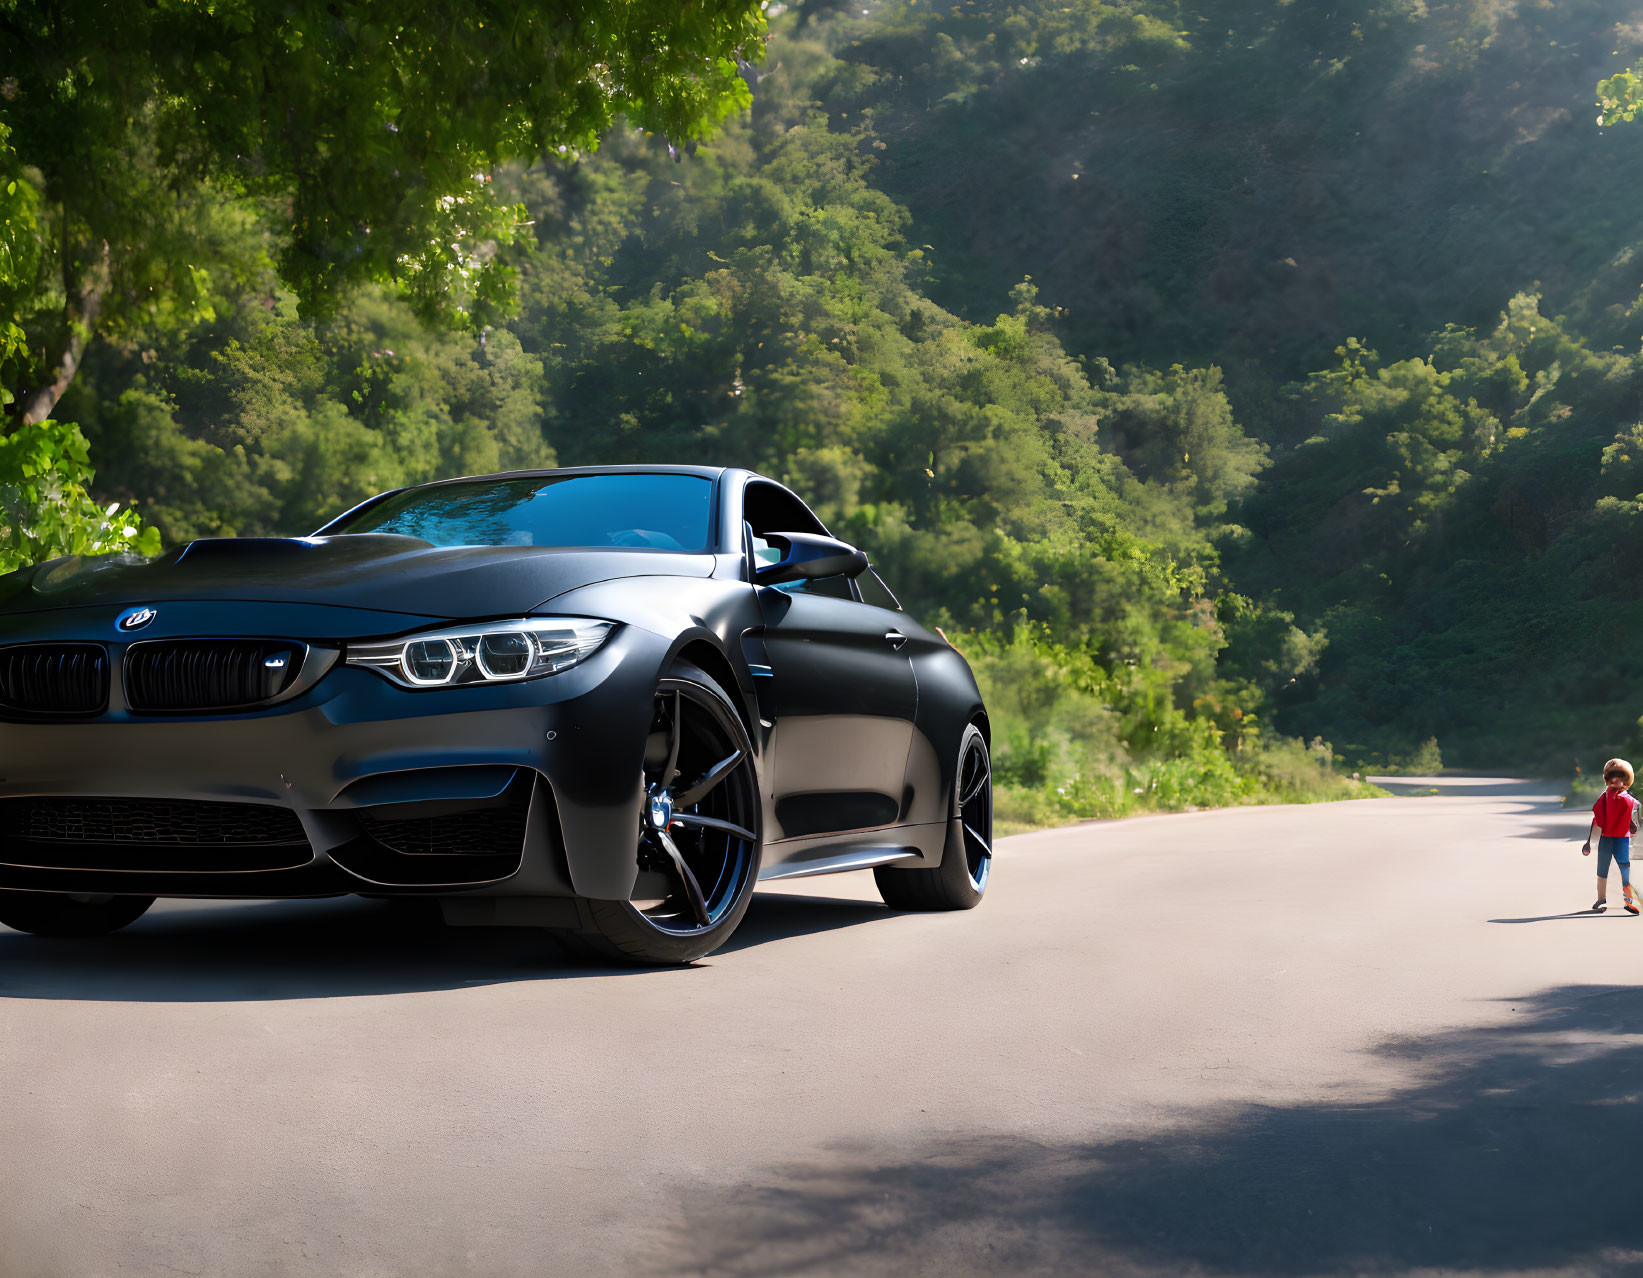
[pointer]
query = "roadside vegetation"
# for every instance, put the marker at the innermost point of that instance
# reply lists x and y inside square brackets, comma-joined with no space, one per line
[1251,391]
[1072,742]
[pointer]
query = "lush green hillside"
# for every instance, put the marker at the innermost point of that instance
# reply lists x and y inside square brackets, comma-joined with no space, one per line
[1254,186]
[1462,531]
[1249,183]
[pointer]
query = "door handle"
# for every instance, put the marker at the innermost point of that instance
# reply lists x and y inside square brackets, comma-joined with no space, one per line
[894,638]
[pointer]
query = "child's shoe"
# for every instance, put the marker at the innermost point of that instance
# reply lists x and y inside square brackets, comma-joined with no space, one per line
[1599,905]
[1630,901]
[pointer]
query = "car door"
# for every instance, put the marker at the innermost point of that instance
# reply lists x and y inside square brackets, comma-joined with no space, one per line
[840,690]
[844,699]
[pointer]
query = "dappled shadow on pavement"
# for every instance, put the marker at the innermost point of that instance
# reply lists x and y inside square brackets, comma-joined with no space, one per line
[1546,818]
[1516,1148]
[1536,807]
[335,948]
[1471,785]
[1570,828]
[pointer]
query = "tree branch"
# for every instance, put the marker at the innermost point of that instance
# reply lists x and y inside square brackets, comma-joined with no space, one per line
[80,313]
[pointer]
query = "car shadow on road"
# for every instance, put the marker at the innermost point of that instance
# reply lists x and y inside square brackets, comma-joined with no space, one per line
[249,950]
[1510,1148]
[777,916]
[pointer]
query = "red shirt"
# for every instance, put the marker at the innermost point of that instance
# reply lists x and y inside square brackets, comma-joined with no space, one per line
[1613,813]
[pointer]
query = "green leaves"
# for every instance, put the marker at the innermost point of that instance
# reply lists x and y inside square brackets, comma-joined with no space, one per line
[383,126]
[45,509]
[151,152]
[1620,97]
[19,232]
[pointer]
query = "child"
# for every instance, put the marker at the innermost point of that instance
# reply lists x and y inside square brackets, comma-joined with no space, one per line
[1612,819]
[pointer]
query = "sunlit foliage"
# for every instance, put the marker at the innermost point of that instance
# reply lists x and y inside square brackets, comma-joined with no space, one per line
[171,148]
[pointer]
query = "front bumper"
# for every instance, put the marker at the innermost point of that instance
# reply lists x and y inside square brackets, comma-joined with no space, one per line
[348,755]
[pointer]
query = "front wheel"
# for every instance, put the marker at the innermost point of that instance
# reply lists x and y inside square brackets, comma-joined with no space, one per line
[960,881]
[698,843]
[60,914]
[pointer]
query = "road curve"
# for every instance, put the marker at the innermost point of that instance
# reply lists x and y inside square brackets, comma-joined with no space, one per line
[1312,1040]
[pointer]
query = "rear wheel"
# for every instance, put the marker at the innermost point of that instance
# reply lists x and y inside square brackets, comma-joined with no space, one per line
[698,843]
[960,881]
[60,914]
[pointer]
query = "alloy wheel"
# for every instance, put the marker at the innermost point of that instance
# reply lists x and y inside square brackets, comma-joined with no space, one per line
[975,810]
[698,823]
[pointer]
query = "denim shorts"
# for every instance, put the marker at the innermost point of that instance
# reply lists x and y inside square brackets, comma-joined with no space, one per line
[1618,848]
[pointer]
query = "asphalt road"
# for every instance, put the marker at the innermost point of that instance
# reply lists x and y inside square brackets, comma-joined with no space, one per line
[1350,1038]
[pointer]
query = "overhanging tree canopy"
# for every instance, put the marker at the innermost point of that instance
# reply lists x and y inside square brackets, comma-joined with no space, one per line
[365,131]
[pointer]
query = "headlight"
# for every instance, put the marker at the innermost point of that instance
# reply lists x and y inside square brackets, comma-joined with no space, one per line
[484,652]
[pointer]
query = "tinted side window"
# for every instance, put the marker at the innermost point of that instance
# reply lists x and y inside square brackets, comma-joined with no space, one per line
[874,591]
[771,509]
[831,587]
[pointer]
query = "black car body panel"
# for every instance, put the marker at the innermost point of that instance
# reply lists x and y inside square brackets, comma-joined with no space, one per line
[347,782]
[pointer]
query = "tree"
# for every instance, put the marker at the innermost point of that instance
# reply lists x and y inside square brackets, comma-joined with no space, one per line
[149,148]
[45,472]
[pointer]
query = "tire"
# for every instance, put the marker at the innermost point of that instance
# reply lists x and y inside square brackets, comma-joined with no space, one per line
[960,881]
[59,914]
[696,733]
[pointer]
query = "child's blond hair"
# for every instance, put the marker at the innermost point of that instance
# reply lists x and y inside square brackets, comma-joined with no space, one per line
[1619,767]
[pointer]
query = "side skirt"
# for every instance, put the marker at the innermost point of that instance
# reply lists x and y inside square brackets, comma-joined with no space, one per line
[858,858]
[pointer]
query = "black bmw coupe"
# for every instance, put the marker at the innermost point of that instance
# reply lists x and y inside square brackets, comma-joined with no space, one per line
[605,701]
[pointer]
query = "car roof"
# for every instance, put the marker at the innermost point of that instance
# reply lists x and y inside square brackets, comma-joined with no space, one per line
[704,472]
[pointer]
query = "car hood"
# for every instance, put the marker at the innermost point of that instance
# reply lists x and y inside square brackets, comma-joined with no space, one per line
[372,571]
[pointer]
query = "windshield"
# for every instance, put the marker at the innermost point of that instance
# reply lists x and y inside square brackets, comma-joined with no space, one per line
[658,512]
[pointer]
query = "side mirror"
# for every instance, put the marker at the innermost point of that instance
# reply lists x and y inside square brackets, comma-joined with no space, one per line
[807,557]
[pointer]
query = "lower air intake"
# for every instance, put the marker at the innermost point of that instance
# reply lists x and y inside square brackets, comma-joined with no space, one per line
[167,836]
[445,843]
[173,822]
[472,832]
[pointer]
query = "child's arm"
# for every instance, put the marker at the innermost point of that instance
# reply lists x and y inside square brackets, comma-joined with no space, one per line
[1587,850]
